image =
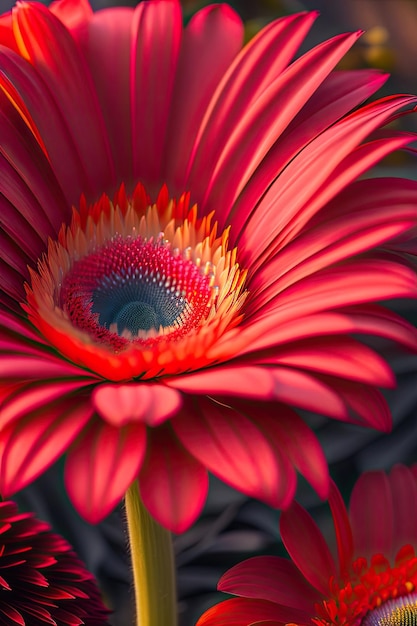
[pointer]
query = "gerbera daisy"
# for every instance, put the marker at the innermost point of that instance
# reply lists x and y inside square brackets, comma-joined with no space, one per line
[42,580]
[186,250]
[372,581]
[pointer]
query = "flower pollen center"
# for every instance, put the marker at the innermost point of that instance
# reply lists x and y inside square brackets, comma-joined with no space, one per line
[131,289]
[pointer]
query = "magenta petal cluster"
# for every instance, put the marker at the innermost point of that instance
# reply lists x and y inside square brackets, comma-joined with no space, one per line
[189,252]
[42,580]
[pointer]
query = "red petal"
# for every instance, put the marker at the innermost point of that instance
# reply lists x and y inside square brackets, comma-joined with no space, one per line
[29,447]
[107,47]
[372,515]
[48,45]
[235,449]
[270,578]
[14,324]
[147,403]
[248,381]
[101,465]
[367,406]
[51,129]
[287,431]
[30,368]
[343,529]
[73,13]
[307,391]
[246,612]
[348,229]
[173,484]
[404,495]
[343,357]
[336,96]
[361,284]
[363,319]
[12,614]
[253,70]
[316,163]
[249,94]
[28,398]
[216,27]
[307,547]
[157,26]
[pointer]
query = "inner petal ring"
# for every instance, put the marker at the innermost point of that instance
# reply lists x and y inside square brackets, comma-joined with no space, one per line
[132,289]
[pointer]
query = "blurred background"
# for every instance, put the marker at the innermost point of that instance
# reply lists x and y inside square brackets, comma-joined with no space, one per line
[234,527]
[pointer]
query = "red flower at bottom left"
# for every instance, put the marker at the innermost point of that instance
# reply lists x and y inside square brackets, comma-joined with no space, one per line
[42,581]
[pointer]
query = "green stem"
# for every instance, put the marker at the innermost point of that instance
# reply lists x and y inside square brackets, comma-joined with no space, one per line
[153,565]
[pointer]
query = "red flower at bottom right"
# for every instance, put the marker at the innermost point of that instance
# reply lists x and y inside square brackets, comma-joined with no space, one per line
[368,579]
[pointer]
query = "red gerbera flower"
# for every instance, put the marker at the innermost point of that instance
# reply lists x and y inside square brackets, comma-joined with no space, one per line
[42,580]
[167,326]
[371,582]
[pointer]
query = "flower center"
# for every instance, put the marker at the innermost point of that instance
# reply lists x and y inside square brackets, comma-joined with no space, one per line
[398,612]
[131,289]
[135,289]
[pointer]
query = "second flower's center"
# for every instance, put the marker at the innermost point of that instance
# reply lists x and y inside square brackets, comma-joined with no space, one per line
[374,593]
[398,612]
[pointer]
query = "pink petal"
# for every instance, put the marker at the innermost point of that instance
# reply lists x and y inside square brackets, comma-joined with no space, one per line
[259,64]
[367,406]
[344,536]
[49,47]
[315,165]
[13,615]
[16,325]
[53,130]
[370,195]
[337,237]
[285,430]
[307,547]
[14,221]
[361,284]
[31,368]
[14,345]
[11,287]
[404,501]
[372,515]
[246,612]
[173,484]
[260,124]
[336,96]
[263,334]
[14,256]
[234,448]
[6,31]
[101,465]
[29,447]
[157,26]
[343,357]
[20,151]
[73,13]
[270,578]
[216,27]
[308,392]
[31,397]
[146,403]
[248,381]
[107,47]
